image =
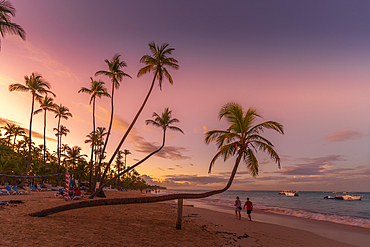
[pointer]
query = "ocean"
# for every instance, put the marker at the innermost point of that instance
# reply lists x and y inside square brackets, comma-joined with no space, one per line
[309,204]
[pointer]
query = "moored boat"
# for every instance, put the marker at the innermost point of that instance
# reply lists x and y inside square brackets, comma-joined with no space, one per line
[347,196]
[288,193]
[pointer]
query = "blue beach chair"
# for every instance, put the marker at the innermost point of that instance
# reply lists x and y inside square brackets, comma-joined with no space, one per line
[2,192]
[15,188]
[33,188]
[10,190]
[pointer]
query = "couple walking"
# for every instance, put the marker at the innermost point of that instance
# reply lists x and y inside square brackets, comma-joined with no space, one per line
[238,207]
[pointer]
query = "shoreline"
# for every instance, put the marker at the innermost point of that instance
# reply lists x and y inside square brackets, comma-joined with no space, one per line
[151,224]
[347,234]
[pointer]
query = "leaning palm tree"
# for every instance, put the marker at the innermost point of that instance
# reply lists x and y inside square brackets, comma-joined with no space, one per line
[116,74]
[156,63]
[163,121]
[36,86]
[46,104]
[60,112]
[97,89]
[6,26]
[242,138]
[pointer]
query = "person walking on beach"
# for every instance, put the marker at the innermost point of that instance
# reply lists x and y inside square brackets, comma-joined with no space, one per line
[249,205]
[238,207]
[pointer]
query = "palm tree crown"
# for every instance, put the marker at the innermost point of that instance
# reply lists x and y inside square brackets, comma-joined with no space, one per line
[157,62]
[243,138]
[6,26]
[164,121]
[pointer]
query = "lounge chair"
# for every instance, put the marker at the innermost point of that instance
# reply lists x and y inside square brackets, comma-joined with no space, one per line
[10,190]
[3,203]
[15,188]
[59,194]
[2,192]
[38,186]
[33,188]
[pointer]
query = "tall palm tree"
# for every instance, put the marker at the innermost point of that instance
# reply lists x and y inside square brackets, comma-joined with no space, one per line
[156,63]
[37,87]
[6,26]
[46,104]
[163,121]
[60,112]
[116,75]
[97,89]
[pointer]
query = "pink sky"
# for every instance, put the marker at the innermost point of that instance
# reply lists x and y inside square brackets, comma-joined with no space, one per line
[301,64]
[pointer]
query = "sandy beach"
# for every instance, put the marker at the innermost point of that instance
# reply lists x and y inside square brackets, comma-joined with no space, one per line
[143,225]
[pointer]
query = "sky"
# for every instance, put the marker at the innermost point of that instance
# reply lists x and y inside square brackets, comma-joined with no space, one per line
[304,64]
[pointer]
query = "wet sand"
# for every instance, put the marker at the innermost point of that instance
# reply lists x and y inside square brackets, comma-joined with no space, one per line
[138,225]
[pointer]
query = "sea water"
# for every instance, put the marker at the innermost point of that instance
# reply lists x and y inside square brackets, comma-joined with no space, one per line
[309,204]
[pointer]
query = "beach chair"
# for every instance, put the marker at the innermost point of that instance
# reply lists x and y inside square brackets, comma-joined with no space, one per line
[59,194]
[38,186]
[3,203]
[3,192]
[15,188]
[33,188]
[10,190]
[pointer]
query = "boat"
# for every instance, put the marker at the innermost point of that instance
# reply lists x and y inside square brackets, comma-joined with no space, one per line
[288,193]
[346,196]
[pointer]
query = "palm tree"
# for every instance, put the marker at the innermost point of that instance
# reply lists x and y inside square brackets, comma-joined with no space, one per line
[74,157]
[116,74]
[37,86]
[156,62]
[60,112]
[96,89]
[9,131]
[6,26]
[46,104]
[18,131]
[163,121]
[241,139]
[126,152]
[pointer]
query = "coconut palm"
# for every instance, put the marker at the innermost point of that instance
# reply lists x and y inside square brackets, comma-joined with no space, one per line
[18,131]
[97,89]
[74,157]
[163,121]
[6,26]
[36,86]
[60,112]
[9,131]
[46,104]
[116,75]
[156,63]
[126,152]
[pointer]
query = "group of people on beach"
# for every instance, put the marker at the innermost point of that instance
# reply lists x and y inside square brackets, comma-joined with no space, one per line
[238,208]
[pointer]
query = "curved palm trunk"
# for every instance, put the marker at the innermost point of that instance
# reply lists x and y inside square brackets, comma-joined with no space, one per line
[148,199]
[92,149]
[128,131]
[30,142]
[128,169]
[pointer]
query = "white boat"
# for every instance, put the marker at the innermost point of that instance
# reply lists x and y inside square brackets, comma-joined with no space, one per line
[288,193]
[347,196]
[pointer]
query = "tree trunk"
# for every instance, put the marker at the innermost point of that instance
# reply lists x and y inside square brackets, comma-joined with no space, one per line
[45,138]
[58,151]
[91,189]
[30,142]
[179,213]
[128,169]
[129,129]
[149,199]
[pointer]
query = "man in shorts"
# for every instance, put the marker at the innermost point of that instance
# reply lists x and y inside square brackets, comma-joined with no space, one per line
[248,204]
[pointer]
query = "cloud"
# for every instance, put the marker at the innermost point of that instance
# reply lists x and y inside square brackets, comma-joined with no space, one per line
[4,121]
[312,166]
[344,135]
[204,130]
